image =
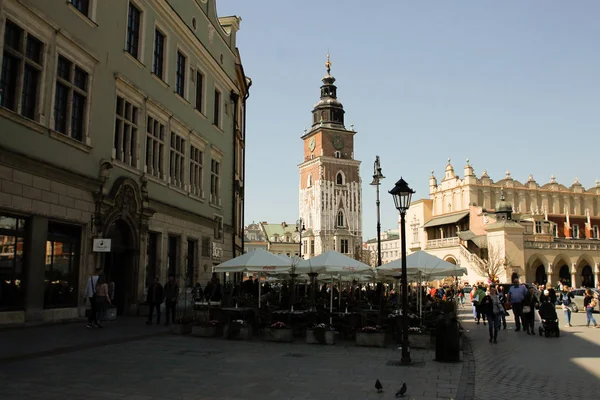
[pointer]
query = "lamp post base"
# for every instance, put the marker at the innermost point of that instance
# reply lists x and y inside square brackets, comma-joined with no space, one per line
[406,361]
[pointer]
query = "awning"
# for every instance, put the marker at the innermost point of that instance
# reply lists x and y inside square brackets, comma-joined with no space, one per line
[479,240]
[446,219]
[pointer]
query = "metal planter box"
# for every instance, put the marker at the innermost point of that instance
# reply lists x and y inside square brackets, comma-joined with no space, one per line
[313,338]
[280,335]
[374,339]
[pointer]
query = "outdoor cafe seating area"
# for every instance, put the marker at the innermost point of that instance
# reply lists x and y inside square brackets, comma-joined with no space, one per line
[330,292]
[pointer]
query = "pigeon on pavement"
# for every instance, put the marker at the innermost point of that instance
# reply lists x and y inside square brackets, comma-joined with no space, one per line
[402,391]
[378,386]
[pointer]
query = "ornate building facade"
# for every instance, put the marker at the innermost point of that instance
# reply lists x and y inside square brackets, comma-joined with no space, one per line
[121,121]
[542,233]
[330,184]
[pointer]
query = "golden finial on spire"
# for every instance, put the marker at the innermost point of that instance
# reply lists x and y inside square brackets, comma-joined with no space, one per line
[328,63]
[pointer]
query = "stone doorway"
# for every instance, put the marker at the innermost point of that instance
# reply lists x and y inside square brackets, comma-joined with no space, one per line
[540,275]
[565,275]
[587,277]
[119,264]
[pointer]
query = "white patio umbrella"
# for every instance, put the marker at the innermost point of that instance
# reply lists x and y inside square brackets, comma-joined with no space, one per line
[260,261]
[332,263]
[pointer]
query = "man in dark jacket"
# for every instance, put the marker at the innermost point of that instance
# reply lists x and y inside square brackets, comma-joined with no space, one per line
[171,296]
[154,299]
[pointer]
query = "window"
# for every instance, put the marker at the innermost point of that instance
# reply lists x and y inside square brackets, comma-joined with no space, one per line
[217,109]
[338,154]
[196,160]
[180,81]
[176,160]
[595,232]
[199,90]
[218,227]
[134,20]
[215,181]
[340,219]
[575,231]
[344,246]
[12,242]
[172,255]
[62,266]
[126,130]
[309,181]
[555,230]
[538,226]
[158,66]
[70,99]
[339,179]
[82,5]
[191,261]
[22,66]
[312,247]
[155,147]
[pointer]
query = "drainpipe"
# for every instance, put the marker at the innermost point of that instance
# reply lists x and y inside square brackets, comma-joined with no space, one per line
[235,98]
[249,83]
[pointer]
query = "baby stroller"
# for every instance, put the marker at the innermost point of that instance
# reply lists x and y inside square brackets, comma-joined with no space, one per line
[549,320]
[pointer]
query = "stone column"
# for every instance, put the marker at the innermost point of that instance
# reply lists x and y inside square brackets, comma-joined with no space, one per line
[549,275]
[35,256]
[574,275]
[597,274]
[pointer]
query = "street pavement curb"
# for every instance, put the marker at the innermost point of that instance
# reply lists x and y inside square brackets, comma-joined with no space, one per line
[466,387]
[79,347]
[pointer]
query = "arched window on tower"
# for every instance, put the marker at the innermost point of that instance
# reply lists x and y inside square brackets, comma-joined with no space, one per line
[309,181]
[339,179]
[340,219]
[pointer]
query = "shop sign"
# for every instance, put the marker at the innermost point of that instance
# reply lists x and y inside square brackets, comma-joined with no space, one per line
[101,245]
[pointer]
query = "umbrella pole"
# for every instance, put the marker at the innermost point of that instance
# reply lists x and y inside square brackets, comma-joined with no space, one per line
[331,302]
[313,281]
[259,290]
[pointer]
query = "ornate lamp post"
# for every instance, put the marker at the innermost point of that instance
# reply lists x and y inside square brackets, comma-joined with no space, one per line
[299,228]
[377,177]
[402,195]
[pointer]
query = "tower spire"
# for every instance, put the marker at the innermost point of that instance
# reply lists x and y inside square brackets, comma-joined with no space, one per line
[328,63]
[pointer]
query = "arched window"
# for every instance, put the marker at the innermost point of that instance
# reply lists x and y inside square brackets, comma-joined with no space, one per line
[339,178]
[309,181]
[340,219]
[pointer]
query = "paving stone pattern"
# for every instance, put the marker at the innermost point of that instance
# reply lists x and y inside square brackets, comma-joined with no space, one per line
[174,367]
[534,367]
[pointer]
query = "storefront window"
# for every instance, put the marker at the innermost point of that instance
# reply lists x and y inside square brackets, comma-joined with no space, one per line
[62,265]
[12,230]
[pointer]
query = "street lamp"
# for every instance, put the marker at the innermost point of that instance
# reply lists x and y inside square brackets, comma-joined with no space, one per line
[299,228]
[377,177]
[402,194]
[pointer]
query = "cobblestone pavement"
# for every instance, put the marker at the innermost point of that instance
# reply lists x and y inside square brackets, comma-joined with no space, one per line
[534,367]
[184,367]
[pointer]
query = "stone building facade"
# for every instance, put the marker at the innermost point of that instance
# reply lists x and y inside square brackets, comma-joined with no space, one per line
[330,184]
[543,233]
[118,120]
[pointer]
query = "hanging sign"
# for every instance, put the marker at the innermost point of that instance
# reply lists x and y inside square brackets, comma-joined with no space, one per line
[101,245]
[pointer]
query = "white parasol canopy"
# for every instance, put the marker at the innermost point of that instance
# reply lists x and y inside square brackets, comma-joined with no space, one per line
[423,264]
[258,260]
[332,263]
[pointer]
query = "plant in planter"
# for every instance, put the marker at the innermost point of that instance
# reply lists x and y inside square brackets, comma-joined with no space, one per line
[210,328]
[370,336]
[238,329]
[418,338]
[320,334]
[279,332]
[183,325]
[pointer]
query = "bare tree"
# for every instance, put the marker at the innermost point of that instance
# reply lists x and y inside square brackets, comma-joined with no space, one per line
[494,265]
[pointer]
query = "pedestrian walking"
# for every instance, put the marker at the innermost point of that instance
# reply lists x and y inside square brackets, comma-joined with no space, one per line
[516,295]
[480,295]
[492,308]
[89,294]
[502,298]
[154,299]
[102,299]
[565,301]
[589,302]
[171,298]
[529,304]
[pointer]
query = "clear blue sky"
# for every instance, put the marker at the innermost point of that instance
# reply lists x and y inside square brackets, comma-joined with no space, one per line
[508,84]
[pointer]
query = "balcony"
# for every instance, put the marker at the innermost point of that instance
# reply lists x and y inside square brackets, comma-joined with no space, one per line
[446,242]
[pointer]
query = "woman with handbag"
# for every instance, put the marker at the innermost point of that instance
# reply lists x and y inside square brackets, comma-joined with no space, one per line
[529,304]
[493,309]
[589,302]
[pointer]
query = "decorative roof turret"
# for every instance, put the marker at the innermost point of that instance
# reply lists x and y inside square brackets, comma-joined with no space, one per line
[329,110]
[449,171]
[432,181]
[469,169]
[503,205]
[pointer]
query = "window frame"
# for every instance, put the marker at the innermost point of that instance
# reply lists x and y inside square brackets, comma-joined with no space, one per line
[165,50]
[345,242]
[595,232]
[141,31]
[340,213]
[157,114]
[90,16]
[200,145]
[217,117]
[218,234]
[200,96]
[216,198]
[43,36]
[181,157]
[185,78]
[574,228]
[17,233]
[74,260]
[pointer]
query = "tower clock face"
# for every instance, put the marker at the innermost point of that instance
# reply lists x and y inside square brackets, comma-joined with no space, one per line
[312,143]
[338,142]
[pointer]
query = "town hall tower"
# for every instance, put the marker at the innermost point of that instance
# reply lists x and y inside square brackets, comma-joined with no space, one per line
[330,185]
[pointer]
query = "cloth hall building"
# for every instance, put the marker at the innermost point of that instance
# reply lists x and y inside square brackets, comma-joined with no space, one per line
[120,120]
[541,232]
